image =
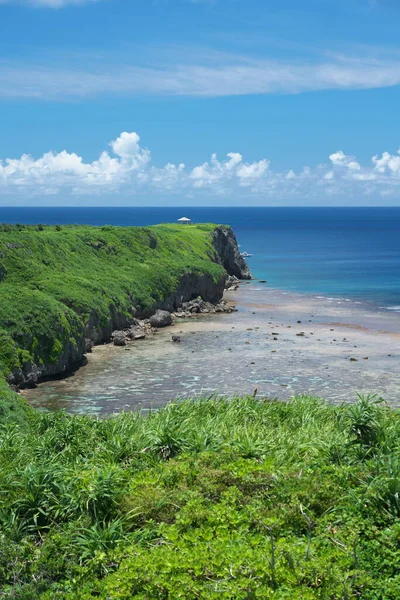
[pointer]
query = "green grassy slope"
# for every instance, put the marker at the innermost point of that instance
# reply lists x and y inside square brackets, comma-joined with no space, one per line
[13,408]
[54,280]
[210,499]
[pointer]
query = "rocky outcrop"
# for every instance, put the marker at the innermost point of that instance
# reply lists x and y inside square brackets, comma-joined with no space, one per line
[119,338]
[192,285]
[73,352]
[226,245]
[200,306]
[202,289]
[161,318]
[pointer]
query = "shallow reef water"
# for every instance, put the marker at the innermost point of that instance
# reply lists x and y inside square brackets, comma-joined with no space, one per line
[277,344]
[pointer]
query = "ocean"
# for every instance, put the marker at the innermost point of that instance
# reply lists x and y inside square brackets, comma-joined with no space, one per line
[349,253]
[332,274]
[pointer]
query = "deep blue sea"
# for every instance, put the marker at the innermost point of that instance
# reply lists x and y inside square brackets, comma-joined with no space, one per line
[337,252]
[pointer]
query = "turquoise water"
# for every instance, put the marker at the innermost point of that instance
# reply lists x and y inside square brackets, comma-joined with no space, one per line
[340,252]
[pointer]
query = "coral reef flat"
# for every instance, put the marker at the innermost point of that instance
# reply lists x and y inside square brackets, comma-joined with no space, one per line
[338,348]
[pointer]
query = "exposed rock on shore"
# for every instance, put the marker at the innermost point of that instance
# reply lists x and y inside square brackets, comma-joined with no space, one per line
[200,306]
[119,338]
[232,283]
[138,331]
[161,318]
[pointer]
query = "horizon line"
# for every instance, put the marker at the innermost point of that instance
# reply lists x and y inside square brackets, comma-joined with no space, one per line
[197,206]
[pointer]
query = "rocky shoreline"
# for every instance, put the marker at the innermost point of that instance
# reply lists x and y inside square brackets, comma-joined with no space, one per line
[140,329]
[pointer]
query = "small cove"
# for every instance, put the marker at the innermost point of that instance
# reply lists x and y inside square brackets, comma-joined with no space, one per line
[261,346]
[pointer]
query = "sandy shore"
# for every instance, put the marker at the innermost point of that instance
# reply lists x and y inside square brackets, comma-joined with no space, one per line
[281,343]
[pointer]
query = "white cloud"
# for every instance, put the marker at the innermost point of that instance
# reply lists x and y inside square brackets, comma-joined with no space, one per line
[189,74]
[127,147]
[128,171]
[48,3]
[339,159]
[215,171]
[387,163]
[68,170]
[253,171]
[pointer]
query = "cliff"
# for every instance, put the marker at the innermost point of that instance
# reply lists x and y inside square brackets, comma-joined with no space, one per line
[225,243]
[63,287]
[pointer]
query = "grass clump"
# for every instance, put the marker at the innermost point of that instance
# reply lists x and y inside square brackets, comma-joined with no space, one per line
[13,409]
[213,498]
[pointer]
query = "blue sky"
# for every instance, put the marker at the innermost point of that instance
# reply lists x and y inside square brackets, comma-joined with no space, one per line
[221,102]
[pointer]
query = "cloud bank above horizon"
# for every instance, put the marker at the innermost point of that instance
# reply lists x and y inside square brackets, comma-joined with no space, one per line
[126,169]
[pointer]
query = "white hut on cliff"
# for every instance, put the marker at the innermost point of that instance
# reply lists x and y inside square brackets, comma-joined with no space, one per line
[184,221]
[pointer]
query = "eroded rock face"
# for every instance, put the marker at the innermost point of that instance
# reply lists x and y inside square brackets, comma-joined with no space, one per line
[162,318]
[226,245]
[191,286]
[88,345]
[71,356]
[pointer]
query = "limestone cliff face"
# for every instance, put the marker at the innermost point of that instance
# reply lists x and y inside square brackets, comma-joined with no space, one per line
[191,285]
[226,245]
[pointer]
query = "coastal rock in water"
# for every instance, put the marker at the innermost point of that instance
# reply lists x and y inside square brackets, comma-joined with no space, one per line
[119,338]
[162,318]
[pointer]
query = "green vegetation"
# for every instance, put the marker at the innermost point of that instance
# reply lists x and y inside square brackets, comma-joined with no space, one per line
[214,498]
[12,407]
[203,499]
[55,280]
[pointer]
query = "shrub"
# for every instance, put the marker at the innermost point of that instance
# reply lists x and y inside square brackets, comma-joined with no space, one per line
[235,498]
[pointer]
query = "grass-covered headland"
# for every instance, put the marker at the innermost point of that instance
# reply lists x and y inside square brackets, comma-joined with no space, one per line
[203,499]
[63,286]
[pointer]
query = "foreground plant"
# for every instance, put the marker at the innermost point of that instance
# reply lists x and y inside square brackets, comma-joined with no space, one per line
[215,498]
